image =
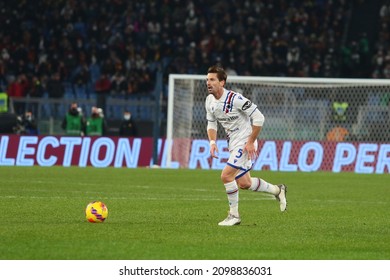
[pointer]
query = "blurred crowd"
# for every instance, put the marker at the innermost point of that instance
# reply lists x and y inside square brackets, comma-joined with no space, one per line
[381,57]
[115,46]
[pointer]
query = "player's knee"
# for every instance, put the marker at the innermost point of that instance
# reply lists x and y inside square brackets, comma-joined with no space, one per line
[227,178]
[244,185]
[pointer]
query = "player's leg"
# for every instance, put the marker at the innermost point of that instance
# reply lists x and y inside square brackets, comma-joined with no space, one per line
[245,181]
[259,185]
[227,176]
[279,191]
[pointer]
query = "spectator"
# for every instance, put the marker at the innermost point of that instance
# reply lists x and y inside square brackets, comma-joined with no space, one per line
[55,87]
[18,89]
[81,80]
[35,90]
[55,90]
[102,89]
[3,102]
[127,126]
[337,134]
[96,125]
[74,123]
[28,124]
[118,85]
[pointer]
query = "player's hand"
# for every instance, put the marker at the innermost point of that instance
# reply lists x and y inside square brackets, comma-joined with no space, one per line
[214,150]
[250,149]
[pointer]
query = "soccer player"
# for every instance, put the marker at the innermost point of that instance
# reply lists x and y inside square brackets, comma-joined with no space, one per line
[242,122]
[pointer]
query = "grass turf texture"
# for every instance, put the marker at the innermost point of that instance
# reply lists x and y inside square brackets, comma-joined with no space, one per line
[173,214]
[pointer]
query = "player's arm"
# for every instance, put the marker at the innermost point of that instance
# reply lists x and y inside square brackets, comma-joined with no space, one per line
[255,133]
[212,128]
[257,119]
[212,135]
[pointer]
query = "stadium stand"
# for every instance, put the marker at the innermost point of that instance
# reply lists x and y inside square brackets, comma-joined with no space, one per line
[133,40]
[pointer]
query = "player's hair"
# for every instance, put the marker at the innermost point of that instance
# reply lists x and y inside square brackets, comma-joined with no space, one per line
[221,74]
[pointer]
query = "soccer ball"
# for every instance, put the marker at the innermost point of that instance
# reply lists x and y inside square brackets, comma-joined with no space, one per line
[96,212]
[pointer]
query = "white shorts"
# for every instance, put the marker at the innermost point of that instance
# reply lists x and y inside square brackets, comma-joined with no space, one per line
[239,159]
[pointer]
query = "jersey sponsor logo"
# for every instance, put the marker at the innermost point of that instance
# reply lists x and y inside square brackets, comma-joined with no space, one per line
[247,105]
[228,119]
[232,130]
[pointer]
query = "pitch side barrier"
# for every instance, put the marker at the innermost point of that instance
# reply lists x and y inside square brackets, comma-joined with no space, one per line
[100,152]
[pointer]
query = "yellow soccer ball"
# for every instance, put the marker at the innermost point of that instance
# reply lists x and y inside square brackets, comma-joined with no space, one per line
[96,212]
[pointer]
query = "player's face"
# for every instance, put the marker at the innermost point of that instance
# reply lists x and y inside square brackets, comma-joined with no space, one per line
[214,86]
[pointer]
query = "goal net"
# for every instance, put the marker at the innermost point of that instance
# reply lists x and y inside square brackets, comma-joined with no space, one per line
[295,109]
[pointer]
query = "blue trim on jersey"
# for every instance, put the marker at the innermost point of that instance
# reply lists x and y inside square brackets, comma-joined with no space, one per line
[226,100]
[236,167]
[243,173]
[231,102]
[252,112]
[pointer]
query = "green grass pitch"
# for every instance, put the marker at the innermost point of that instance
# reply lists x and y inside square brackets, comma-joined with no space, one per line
[173,214]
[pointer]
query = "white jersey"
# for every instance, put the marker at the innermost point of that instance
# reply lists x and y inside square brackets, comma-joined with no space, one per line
[233,112]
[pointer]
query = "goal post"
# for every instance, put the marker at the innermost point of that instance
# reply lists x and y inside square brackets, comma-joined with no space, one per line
[295,109]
